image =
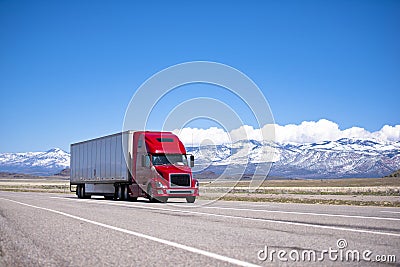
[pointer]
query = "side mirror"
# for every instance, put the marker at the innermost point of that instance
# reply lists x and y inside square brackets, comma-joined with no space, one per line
[191,161]
[145,161]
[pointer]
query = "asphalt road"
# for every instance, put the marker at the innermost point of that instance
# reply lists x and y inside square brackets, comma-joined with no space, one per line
[60,230]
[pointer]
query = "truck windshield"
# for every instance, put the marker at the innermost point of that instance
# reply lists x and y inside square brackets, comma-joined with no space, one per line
[170,159]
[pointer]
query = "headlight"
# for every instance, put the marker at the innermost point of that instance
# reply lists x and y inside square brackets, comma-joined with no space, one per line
[160,185]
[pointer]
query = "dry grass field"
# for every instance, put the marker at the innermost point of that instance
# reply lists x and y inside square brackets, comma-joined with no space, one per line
[28,183]
[357,191]
[345,182]
[366,186]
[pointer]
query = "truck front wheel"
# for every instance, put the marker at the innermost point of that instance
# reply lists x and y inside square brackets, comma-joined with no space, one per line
[153,199]
[190,199]
[150,195]
[162,199]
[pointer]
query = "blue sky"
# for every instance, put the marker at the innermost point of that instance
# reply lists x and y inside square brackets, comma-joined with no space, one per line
[69,68]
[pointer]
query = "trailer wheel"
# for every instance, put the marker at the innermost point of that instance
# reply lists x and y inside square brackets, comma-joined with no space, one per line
[115,196]
[190,199]
[83,193]
[82,190]
[78,191]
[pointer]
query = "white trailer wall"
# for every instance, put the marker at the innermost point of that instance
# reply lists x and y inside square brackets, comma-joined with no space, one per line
[101,160]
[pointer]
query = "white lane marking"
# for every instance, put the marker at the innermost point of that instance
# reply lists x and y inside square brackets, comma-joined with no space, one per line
[297,212]
[310,213]
[236,217]
[394,212]
[152,238]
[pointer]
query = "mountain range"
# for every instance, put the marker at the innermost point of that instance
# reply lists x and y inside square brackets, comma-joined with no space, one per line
[330,159]
[45,163]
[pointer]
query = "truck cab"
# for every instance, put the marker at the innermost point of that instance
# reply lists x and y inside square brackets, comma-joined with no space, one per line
[162,168]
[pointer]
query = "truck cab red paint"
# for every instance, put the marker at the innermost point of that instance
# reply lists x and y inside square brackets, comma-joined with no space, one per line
[163,143]
[162,167]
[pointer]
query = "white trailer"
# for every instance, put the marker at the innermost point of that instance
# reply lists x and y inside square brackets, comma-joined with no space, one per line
[98,165]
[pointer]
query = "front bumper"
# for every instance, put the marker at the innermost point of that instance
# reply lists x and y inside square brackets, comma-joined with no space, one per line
[176,192]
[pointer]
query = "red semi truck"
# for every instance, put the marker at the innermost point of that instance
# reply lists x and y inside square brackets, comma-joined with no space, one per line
[133,164]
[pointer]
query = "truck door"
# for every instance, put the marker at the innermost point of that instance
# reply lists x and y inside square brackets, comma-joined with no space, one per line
[143,171]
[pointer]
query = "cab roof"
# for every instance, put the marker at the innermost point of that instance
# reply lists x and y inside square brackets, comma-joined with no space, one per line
[163,143]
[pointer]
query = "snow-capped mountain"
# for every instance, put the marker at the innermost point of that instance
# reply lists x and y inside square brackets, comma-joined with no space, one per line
[330,159]
[36,163]
[342,158]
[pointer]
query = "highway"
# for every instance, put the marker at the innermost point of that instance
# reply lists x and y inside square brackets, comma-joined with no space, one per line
[42,229]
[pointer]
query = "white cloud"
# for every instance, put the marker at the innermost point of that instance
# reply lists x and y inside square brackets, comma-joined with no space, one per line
[388,133]
[208,136]
[305,132]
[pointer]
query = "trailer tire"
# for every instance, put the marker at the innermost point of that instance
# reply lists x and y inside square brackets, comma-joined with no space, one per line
[83,193]
[82,189]
[115,196]
[78,191]
[190,199]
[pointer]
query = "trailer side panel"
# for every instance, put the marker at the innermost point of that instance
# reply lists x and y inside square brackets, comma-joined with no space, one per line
[102,160]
